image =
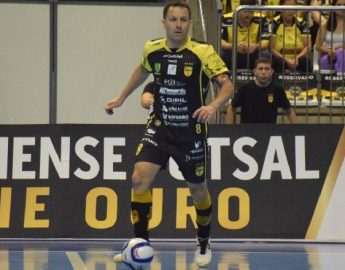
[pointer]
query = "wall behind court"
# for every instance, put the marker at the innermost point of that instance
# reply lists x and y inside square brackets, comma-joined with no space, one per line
[24,63]
[98,46]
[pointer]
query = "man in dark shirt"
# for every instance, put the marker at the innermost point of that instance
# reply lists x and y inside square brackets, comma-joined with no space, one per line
[260,99]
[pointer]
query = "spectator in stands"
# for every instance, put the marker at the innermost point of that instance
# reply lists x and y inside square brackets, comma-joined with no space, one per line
[252,37]
[330,40]
[260,99]
[271,14]
[290,41]
[316,18]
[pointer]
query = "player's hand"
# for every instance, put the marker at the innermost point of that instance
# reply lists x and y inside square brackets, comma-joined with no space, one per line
[112,104]
[204,113]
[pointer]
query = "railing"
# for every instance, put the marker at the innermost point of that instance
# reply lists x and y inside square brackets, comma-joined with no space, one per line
[318,105]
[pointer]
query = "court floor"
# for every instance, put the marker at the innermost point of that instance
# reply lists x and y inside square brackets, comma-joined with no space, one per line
[227,255]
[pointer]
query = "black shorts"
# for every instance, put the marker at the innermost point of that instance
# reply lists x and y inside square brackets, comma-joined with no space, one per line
[190,156]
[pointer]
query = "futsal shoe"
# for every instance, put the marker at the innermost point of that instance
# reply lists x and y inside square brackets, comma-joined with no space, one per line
[203,254]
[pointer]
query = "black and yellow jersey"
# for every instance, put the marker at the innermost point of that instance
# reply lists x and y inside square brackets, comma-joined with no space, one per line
[289,39]
[182,79]
[257,30]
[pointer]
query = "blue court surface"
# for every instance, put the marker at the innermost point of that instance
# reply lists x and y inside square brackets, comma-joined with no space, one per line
[171,255]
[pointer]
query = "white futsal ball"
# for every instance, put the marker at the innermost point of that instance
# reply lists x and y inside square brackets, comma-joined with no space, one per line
[137,253]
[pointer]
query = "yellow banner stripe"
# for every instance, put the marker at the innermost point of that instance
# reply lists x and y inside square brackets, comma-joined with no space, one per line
[327,189]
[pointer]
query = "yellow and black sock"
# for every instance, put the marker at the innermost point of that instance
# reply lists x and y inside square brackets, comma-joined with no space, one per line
[141,206]
[203,217]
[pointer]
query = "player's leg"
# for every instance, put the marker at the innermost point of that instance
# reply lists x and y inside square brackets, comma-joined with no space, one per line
[141,199]
[203,206]
[194,171]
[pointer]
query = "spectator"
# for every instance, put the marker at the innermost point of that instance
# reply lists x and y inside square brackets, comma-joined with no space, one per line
[252,37]
[271,14]
[315,19]
[290,41]
[330,40]
[260,99]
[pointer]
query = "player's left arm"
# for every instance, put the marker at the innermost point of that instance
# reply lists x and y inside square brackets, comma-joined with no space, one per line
[206,113]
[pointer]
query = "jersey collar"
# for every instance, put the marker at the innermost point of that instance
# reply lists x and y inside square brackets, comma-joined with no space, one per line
[189,38]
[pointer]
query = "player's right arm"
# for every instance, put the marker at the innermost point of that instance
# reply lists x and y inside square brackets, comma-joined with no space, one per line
[139,75]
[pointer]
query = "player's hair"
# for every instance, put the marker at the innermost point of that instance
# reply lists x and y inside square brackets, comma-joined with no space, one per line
[176,3]
[263,60]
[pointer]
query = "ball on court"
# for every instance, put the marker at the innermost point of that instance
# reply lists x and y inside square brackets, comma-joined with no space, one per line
[137,253]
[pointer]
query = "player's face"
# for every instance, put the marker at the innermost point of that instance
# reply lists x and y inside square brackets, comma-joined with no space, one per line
[263,73]
[176,23]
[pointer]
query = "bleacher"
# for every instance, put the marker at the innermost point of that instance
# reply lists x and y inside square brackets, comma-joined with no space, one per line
[318,96]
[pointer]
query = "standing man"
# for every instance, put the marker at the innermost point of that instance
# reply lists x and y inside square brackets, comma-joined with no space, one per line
[177,126]
[260,99]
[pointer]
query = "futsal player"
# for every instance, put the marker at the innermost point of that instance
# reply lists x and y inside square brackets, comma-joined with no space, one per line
[177,126]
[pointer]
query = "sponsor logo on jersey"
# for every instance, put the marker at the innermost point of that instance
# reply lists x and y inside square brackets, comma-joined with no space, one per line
[157,67]
[177,109]
[174,124]
[172,92]
[174,56]
[176,100]
[199,171]
[176,117]
[150,141]
[197,144]
[150,131]
[172,82]
[172,69]
[270,98]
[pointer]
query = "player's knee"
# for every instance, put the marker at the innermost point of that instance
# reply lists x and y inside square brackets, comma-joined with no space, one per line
[198,194]
[138,184]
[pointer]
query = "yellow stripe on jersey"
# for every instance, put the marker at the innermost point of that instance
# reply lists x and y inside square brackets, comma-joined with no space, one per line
[151,46]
